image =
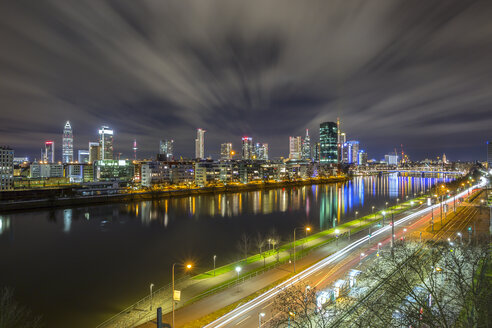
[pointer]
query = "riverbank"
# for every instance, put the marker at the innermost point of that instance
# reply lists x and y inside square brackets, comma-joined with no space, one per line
[136,196]
[214,281]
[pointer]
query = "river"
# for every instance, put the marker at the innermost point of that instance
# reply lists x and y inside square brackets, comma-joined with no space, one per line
[78,266]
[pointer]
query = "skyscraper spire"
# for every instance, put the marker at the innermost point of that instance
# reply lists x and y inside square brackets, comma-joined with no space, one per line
[67,144]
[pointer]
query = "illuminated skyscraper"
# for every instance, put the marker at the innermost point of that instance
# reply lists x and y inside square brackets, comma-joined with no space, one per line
[316,152]
[6,169]
[328,137]
[166,148]
[352,147]
[106,143]
[49,152]
[84,156]
[94,151]
[261,151]
[306,147]
[226,151]
[295,145]
[247,150]
[67,151]
[200,144]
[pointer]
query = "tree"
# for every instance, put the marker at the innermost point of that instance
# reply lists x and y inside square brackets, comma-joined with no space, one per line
[260,243]
[13,315]
[296,306]
[274,240]
[438,285]
[243,245]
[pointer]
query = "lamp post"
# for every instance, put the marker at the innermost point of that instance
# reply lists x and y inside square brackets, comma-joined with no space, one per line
[238,269]
[337,234]
[188,266]
[372,208]
[361,256]
[397,203]
[379,245]
[384,215]
[357,212]
[307,229]
[260,315]
[461,237]
[215,257]
[404,232]
[151,285]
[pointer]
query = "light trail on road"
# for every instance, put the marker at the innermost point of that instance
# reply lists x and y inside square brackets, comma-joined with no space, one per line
[268,295]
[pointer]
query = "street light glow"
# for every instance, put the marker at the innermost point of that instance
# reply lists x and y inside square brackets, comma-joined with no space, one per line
[188,266]
[238,269]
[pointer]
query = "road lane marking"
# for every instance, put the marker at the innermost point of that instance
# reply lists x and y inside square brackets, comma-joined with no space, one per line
[240,322]
[267,305]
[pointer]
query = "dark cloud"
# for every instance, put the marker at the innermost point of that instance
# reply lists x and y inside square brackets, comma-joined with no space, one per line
[395,72]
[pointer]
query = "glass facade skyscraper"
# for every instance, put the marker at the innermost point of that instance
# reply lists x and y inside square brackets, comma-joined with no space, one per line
[67,145]
[226,151]
[106,143]
[200,144]
[306,147]
[328,139]
[247,150]
[49,152]
[166,148]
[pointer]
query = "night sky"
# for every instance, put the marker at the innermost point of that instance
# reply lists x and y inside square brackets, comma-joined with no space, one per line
[417,73]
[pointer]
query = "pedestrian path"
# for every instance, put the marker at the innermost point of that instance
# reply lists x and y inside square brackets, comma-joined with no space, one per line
[194,288]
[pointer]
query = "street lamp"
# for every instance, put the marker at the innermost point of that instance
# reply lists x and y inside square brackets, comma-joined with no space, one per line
[461,237]
[238,269]
[373,212]
[215,256]
[151,285]
[188,266]
[361,256]
[397,202]
[384,215]
[260,315]
[306,229]
[337,233]
[404,231]
[379,245]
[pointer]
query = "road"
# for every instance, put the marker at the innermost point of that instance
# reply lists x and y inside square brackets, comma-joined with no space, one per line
[324,273]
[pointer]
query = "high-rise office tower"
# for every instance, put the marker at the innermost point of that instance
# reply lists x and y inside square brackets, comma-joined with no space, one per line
[295,145]
[200,144]
[328,137]
[166,149]
[84,156]
[362,157]
[261,151]
[94,151]
[306,147]
[226,151]
[247,149]
[67,155]
[316,151]
[106,143]
[49,152]
[352,151]
[6,168]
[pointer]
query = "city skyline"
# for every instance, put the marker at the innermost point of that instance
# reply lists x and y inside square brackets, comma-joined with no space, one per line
[389,80]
